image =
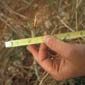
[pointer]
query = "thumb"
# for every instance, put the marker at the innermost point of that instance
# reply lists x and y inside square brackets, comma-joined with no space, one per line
[58,46]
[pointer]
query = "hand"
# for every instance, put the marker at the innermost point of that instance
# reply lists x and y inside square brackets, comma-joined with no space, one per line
[63,60]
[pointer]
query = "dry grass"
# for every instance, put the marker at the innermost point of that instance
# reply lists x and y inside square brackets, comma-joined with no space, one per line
[27,18]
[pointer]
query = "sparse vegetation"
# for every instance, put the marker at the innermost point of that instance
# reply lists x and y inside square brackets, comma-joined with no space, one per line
[29,18]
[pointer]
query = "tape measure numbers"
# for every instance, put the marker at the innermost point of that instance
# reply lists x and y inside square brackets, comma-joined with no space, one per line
[37,40]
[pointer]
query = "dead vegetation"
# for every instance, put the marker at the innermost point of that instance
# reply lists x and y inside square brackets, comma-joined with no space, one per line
[29,18]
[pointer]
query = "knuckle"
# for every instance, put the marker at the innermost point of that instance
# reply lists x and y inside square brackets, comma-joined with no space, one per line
[53,45]
[72,50]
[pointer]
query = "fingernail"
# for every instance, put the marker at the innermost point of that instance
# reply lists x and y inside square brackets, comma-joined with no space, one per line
[47,38]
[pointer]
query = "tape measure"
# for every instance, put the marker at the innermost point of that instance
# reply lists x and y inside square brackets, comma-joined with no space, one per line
[37,40]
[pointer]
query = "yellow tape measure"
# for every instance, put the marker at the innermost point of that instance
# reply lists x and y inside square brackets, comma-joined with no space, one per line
[37,40]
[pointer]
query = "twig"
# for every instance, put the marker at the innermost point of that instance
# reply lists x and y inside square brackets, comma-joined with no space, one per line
[78,3]
[35,22]
[76,16]
[44,77]
[54,30]
[65,24]
[4,19]
[26,2]
[22,8]
[12,11]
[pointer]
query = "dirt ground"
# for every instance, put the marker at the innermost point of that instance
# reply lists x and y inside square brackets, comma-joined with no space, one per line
[28,18]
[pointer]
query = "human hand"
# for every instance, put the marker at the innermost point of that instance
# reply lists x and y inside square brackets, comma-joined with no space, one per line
[66,60]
